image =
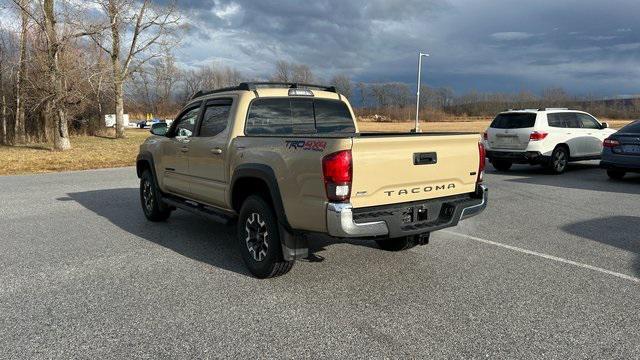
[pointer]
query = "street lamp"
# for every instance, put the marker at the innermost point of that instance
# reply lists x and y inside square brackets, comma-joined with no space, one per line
[417,128]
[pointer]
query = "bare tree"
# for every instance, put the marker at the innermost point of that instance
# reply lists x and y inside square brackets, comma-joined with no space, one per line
[61,132]
[302,74]
[56,98]
[3,119]
[290,72]
[19,123]
[208,78]
[283,72]
[343,84]
[149,27]
[364,93]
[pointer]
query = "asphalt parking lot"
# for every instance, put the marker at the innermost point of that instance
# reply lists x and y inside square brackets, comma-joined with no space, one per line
[550,270]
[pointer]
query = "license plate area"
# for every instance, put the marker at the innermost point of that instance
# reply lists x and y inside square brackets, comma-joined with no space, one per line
[631,149]
[415,214]
[507,141]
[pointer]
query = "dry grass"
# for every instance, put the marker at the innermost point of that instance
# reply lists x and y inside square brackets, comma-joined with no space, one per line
[90,152]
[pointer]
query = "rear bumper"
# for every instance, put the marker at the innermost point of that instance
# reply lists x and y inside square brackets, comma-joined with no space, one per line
[622,166]
[517,157]
[398,220]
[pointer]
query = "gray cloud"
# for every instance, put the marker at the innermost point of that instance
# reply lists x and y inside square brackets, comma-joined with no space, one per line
[487,45]
[511,35]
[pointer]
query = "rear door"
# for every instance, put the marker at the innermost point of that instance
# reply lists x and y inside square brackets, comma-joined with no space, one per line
[511,131]
[208,151]
[395,169]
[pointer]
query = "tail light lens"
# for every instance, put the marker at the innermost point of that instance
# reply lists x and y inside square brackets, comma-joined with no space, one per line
[337,169]
[483,161]
[610,143]
[538,135]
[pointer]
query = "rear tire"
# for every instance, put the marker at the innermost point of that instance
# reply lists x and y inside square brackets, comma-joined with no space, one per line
[616,174]
[502,165]
[153,208]
[259,239]
[397,244]
[559,160]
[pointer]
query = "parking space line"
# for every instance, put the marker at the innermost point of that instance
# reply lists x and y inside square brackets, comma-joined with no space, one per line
[545,256]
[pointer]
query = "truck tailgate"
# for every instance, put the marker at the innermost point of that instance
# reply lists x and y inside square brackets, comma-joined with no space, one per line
[395,169]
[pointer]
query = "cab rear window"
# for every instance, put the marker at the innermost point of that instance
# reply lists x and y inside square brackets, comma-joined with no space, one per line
[298,116]
[514,121]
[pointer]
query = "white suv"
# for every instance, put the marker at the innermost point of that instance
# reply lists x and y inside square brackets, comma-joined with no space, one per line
[549,137]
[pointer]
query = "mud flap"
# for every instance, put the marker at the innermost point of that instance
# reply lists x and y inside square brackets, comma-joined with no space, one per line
[294,247]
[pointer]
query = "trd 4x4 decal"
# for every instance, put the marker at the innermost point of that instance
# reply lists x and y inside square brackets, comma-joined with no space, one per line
[313,145]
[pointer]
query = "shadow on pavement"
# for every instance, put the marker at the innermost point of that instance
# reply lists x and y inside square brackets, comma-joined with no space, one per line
[186,234]
[582,176]
[622,232]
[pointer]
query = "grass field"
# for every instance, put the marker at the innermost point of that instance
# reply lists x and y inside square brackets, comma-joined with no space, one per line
[91,152]
[88,152]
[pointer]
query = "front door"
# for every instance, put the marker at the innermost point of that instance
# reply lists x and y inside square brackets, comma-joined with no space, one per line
[208,153]
[595,132]
[175,149]
[578,138]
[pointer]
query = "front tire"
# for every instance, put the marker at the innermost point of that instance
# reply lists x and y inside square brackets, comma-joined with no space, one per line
[502,165]
[397,244]
[559,160]
[153,209]
[616,174]
[259,239]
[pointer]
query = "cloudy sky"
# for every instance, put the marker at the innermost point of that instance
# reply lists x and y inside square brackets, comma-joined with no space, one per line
[584,46]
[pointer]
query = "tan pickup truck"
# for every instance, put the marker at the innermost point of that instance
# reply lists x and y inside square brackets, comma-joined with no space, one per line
[287,160]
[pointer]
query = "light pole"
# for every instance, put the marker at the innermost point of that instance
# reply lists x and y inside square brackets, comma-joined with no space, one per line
[417,128]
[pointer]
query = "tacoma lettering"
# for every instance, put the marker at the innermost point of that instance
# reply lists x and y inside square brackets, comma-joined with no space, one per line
[418,190]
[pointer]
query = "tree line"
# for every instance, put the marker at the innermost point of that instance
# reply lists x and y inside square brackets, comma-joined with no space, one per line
[69,61]
[65,66]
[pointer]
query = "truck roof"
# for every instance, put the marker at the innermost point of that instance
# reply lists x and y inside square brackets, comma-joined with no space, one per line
[255,86]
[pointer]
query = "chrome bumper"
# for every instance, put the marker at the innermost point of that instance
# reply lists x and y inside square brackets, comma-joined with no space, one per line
[476,209]
[340,221]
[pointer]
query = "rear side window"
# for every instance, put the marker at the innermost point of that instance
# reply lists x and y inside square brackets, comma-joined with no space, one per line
[565,120]
[216,117]
[287,116]
[556,120]
[632,128]
[514,121]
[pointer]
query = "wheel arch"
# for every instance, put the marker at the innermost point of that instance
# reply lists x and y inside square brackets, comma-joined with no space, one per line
[566,146]
[253,178]
[145,161]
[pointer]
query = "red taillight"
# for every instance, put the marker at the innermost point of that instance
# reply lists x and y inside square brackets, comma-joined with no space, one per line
[610,143]
[483,161]
[538,135]
[338,171]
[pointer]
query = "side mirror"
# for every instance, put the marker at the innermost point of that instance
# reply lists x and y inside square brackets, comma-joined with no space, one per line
[159,129]
[605,125]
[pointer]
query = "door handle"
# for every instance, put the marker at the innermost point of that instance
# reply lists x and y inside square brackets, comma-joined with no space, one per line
[216,151]
[425,158]
[184,149]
